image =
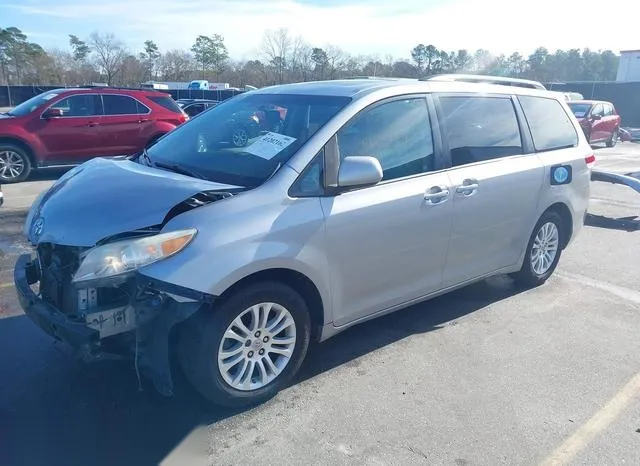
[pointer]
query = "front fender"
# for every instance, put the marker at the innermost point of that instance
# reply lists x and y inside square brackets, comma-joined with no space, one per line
[215,273]
[20,136]
[246,234]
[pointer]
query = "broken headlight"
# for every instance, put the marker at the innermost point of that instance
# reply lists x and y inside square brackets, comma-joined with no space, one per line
[121,257]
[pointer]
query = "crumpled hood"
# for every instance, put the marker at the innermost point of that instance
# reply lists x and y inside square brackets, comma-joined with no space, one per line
[103,197]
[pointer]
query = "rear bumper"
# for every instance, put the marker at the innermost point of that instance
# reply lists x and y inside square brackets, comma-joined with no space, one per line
[45,316]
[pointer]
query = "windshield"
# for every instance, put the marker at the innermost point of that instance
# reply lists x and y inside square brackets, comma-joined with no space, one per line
[33,103]
[579,110]
[244,140]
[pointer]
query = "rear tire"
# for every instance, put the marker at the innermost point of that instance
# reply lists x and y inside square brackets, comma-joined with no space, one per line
[537,266]
[15,164]
[240,137]
[212,360]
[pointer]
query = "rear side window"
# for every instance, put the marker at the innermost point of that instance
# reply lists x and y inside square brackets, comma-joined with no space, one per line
[193,109]
[122,105]
[550,125]
[579,110]
[166,102]
[480,128]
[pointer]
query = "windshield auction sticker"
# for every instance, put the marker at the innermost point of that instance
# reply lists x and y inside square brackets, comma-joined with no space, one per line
[270,145]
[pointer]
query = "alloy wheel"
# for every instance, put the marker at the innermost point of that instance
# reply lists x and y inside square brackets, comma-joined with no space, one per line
[545,248]
[257,346]
[11,165]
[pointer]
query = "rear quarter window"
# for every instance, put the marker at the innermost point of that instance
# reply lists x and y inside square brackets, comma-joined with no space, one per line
[550,125]
[166,102]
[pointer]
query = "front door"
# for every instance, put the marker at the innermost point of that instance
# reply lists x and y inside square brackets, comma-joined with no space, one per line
[610,120]
[75,136]
[495,188]
[598,124]
[387,244]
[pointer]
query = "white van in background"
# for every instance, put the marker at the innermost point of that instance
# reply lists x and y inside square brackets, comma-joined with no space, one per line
[154,85]
[201,84]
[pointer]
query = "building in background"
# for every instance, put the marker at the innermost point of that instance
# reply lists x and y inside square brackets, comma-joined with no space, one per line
[629,66]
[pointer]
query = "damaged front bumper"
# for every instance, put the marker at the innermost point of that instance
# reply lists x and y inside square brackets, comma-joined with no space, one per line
[139,329]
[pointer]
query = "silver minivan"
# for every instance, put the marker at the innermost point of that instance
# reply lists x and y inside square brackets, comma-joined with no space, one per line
[351,199]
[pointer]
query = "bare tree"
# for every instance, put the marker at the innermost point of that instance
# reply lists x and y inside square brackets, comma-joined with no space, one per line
[335,60]
[61,66]
[305,62]
[109,54]
[300,61]
[276,47]
[176,65]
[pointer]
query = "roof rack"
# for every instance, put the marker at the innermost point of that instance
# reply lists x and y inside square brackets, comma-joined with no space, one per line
[123,88]
[384,78]
[479,78]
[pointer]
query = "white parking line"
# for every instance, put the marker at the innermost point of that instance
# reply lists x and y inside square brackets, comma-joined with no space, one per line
[599,422]
[625,293]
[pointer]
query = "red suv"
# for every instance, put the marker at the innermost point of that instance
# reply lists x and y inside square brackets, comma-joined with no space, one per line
[598,119]
[70,126]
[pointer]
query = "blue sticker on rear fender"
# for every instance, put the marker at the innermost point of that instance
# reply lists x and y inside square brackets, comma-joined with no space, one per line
[561,174]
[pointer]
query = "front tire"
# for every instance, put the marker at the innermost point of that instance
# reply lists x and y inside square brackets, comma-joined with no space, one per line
[246,350]
[543,251]
[15,164]
[613,140]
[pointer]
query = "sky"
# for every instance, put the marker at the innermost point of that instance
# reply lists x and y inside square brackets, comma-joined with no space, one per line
[360,27]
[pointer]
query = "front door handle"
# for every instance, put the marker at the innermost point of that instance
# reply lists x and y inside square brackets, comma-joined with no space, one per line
[436,195]
[92,124]
[468,187]
[142,120]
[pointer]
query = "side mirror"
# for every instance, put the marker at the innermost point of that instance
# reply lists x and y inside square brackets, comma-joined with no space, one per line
[359,171]
[52,113]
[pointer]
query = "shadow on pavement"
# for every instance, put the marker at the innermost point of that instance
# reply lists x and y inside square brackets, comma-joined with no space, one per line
[56,411]
[48,174]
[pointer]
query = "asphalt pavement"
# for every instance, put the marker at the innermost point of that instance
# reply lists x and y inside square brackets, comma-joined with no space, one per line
[484,376]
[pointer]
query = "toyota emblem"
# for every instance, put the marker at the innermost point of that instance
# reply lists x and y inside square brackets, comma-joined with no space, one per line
[38,227]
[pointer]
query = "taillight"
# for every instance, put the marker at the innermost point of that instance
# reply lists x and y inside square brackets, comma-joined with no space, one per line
[183,118]
[590,160]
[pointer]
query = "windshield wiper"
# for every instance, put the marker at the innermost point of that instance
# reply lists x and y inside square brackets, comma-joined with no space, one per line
[179,169]
[147,159]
